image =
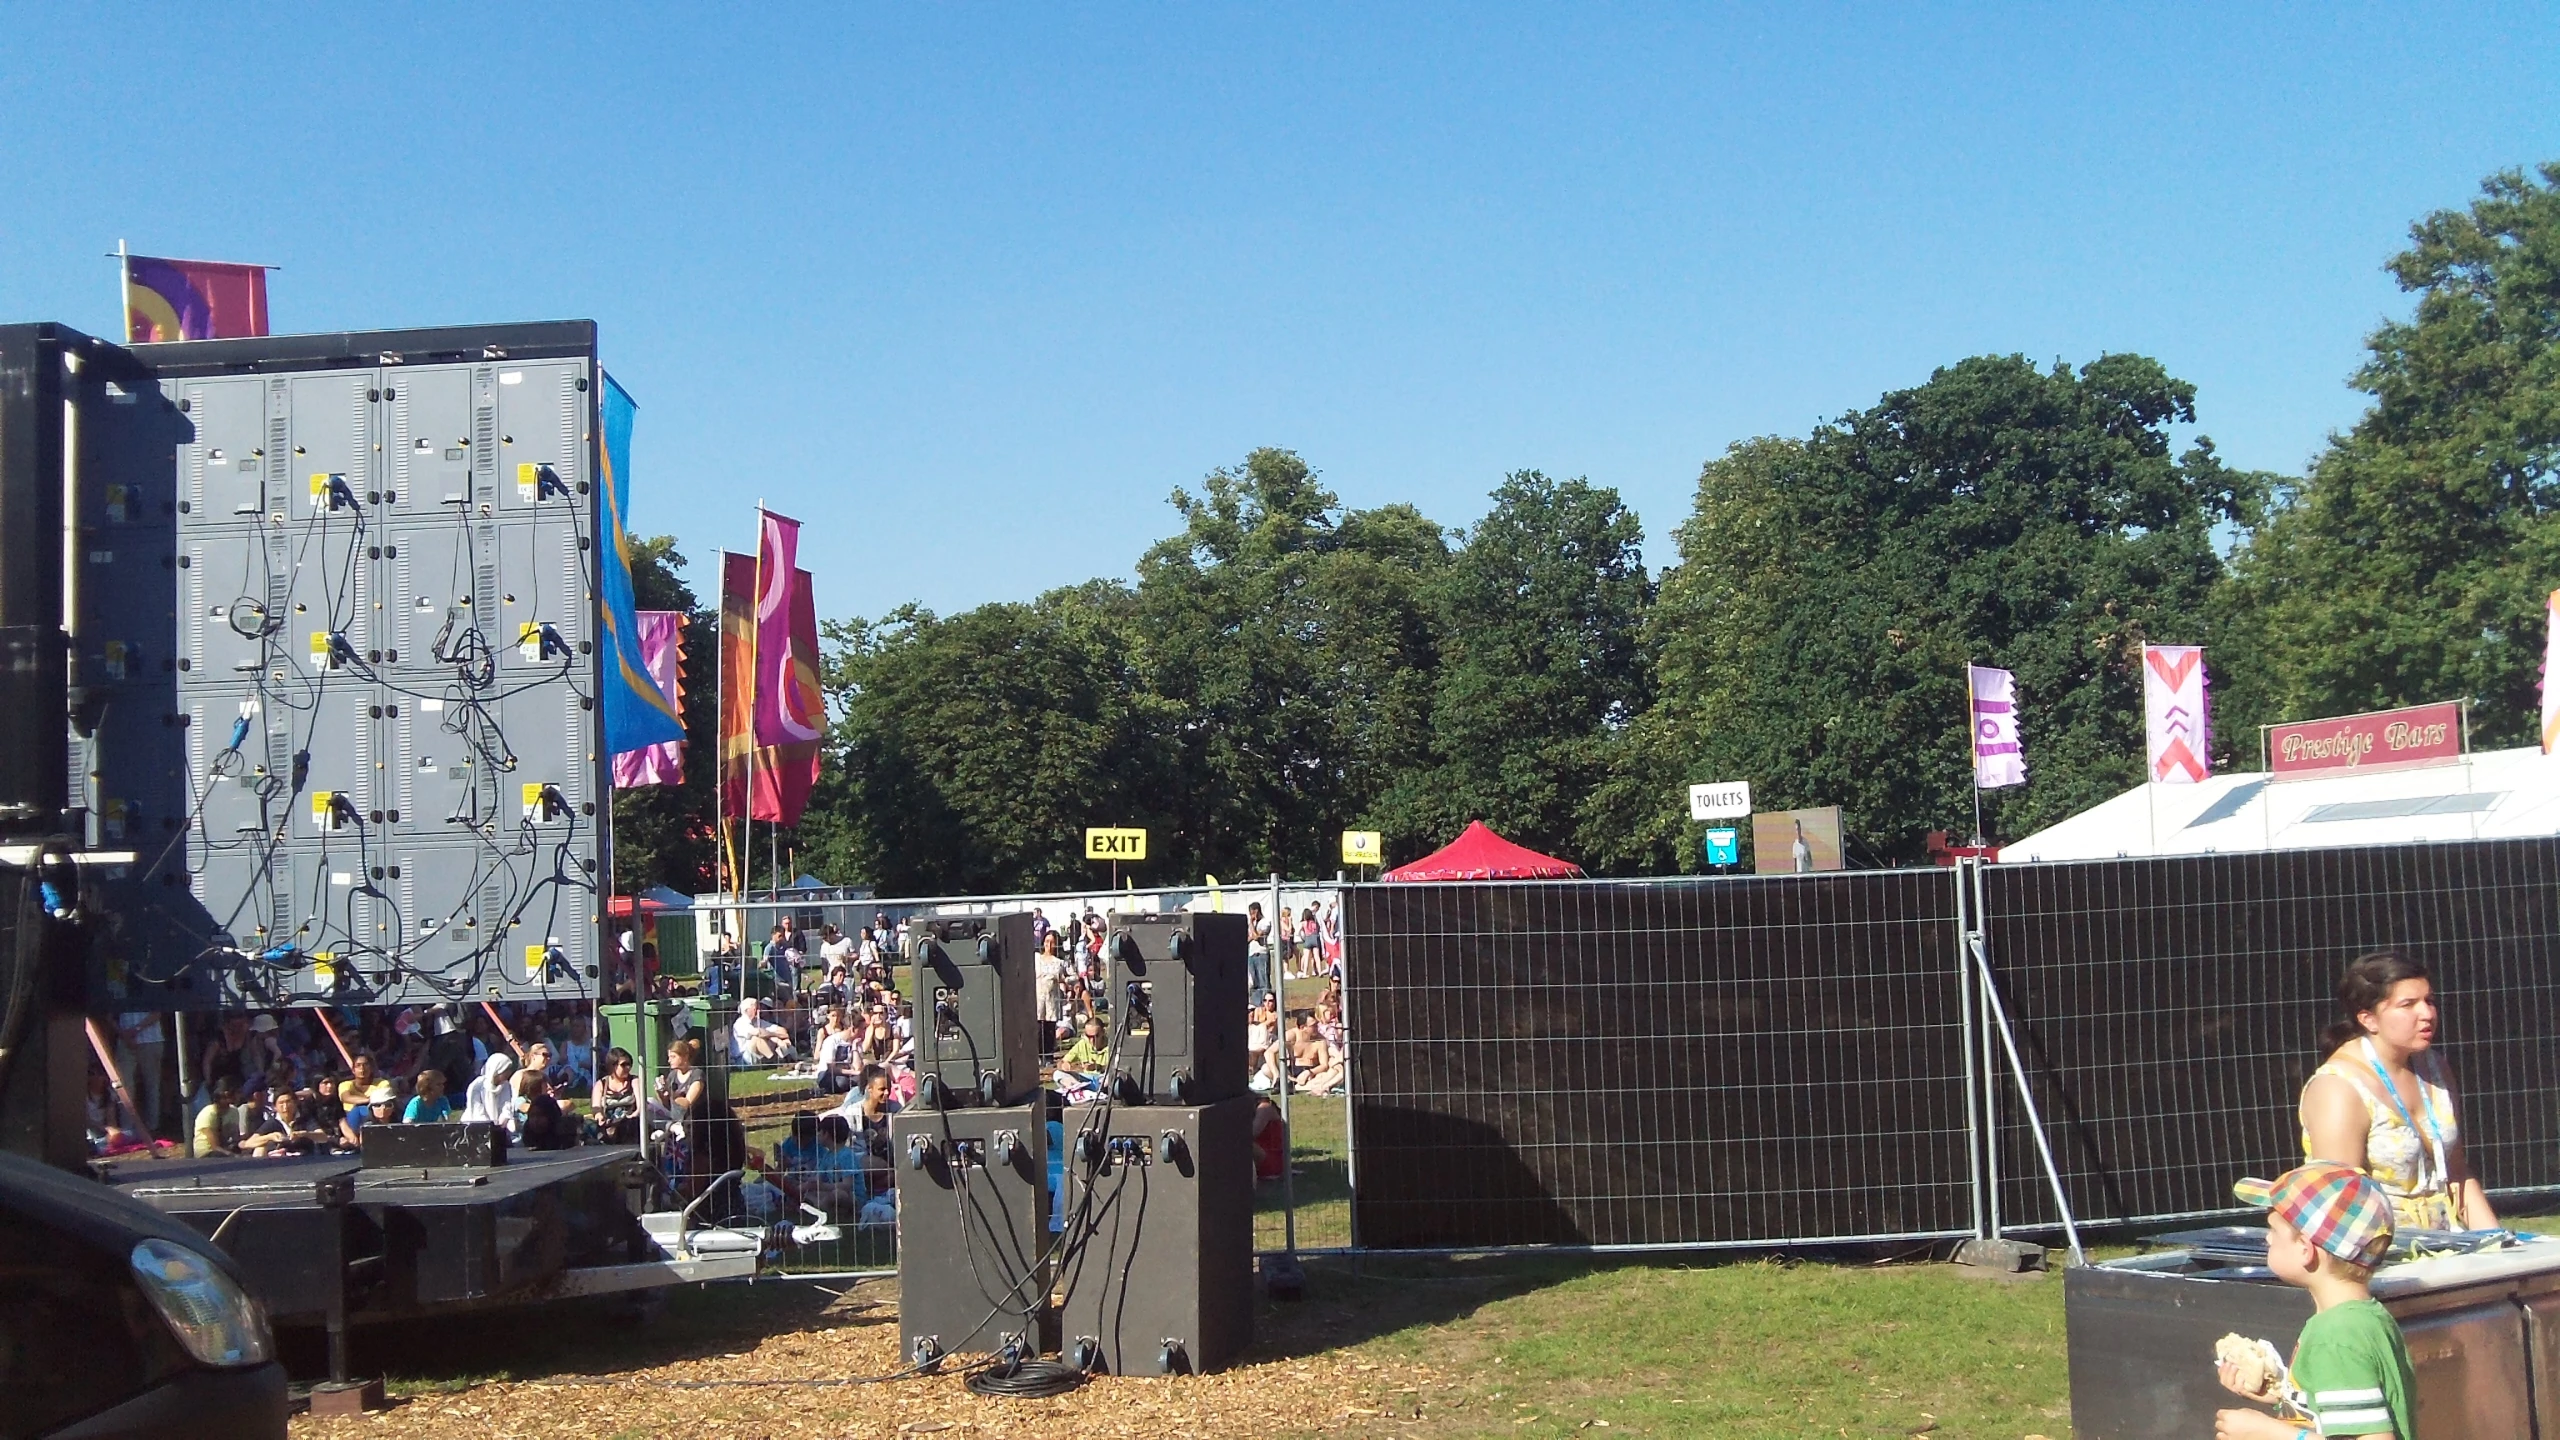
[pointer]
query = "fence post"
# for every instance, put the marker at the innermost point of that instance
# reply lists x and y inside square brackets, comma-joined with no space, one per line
[1973,1098]
[1288,1136]
[1990,1059]
[1996,1018]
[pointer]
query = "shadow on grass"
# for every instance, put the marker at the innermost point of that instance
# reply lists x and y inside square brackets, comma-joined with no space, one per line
[1350,1300]
[604,1337]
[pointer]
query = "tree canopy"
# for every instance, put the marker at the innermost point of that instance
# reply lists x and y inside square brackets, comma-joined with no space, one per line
[2412,564]
[1283,666]
[1813,638]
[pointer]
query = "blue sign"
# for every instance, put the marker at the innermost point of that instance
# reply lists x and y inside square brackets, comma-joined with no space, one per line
[1724,846]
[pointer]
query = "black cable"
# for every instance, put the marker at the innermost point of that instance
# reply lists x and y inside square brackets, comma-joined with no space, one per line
[1024,1379]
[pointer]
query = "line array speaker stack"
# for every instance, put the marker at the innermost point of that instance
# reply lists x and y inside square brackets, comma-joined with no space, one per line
[1157,1261]
[1154,1252]
[973,1231]
[977,1040]
[971,1154]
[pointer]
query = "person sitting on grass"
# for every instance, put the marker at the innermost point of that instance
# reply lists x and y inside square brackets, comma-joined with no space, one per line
[866,1115]
[217,1127]
[540,1123]
[1086,1062]
[259,1134]
[837,1050]
[287,1130]
[1318,1065]
[430,1105]
[377,1105]
[2327,1227]
[756,1040]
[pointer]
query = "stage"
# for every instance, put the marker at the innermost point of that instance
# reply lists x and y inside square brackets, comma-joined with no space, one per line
[417,1240]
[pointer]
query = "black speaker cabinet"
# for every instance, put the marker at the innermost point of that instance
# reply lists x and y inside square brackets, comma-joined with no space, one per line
[973,1230]
[1178,1005]
[977,1021]
[1156,1259]
[433,1147]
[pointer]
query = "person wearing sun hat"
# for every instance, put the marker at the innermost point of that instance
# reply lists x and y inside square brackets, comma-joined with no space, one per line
[2328,1226]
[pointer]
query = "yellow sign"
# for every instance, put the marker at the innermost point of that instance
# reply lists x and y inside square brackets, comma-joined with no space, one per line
[1362,847]
[1115,844]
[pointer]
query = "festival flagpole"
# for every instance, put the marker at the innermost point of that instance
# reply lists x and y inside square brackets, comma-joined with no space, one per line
[755,674]
[124,294]
[720,745]
[1973,757]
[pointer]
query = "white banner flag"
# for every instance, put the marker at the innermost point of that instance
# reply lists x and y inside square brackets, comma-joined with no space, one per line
[2550,663]
[2174,713]
[1998,758]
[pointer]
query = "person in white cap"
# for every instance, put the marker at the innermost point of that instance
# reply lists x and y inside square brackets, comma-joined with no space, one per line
[758,1041]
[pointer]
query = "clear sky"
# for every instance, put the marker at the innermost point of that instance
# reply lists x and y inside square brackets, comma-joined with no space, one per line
[972,289]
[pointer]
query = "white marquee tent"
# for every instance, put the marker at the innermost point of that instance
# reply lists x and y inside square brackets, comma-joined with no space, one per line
[2496,794]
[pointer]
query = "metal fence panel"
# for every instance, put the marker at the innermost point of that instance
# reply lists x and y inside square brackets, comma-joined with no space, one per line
[2169,1010]
[1698,1062]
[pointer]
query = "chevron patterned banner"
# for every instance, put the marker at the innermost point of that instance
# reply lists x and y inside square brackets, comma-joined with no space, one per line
[2175,713]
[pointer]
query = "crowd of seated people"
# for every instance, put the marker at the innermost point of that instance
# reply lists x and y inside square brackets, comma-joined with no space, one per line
[292,1082]
[825,1004]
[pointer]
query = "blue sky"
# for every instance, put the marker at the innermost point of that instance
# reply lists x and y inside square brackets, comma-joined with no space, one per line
[971,290]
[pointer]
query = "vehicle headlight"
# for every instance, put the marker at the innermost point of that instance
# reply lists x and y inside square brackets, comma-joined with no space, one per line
[218,1322]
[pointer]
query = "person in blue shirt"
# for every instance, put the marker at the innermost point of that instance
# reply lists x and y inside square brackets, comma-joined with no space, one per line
[430,1105]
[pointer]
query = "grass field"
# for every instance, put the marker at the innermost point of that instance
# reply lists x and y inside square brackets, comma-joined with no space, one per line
[1442,1349]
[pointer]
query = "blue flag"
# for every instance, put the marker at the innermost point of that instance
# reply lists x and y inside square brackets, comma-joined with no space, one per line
[637,714]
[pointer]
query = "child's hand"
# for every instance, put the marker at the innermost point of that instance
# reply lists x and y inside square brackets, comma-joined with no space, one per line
[2254,1425]
[2254,1385]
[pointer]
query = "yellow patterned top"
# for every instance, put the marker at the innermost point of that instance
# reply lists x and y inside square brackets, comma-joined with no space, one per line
[2411,1167]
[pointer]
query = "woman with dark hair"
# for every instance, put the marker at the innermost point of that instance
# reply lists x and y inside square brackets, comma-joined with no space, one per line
[2384,1103]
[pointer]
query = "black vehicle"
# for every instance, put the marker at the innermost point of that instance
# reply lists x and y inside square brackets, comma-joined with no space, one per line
[116,1320]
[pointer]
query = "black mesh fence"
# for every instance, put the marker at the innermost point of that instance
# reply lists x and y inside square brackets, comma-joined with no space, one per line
[1692,1062]
[2170,1009]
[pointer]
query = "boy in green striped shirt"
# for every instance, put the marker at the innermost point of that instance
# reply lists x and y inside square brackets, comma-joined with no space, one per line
[2328,1225]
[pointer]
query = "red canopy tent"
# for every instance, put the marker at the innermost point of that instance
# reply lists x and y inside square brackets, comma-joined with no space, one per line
[1479,854]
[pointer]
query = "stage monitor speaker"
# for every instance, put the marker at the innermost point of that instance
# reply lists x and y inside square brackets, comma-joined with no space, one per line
[1177,989]
[973,1230]
[977,1021]
[438,1146]
[1156,1259]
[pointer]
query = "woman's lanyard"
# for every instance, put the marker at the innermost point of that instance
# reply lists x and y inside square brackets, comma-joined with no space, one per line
[2432,1136]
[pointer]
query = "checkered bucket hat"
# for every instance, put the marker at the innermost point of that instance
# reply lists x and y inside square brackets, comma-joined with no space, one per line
[2337,1207]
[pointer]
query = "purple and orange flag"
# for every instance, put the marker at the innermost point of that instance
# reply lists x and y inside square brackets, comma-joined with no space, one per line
[192,300]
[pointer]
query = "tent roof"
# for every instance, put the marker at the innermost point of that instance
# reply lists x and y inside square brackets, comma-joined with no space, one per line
[1479,854]
[2493,794]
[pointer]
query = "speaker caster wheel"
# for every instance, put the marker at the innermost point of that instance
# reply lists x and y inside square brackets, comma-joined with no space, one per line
[1085,1354]
[990,1089]
[917,1149]
[1171,1360]
[1168,1147]
[926,1355]
[929,1092]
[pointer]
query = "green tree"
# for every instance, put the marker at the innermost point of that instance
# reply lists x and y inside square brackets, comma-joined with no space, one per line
[1289,644]
[1814,636]
[975,749]
[1539,614]
[662,833]
[2412,565]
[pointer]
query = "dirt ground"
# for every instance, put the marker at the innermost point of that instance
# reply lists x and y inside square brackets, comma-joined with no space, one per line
[591,1372]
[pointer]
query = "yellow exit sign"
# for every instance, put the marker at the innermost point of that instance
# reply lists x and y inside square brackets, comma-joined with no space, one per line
[1115,844]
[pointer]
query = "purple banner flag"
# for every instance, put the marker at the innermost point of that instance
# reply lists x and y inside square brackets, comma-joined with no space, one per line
[662,651]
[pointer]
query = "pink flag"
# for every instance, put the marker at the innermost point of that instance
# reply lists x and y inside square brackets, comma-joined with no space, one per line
[1999,759]
[2174,713]
[662,650]
[786,774]
[788,708]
